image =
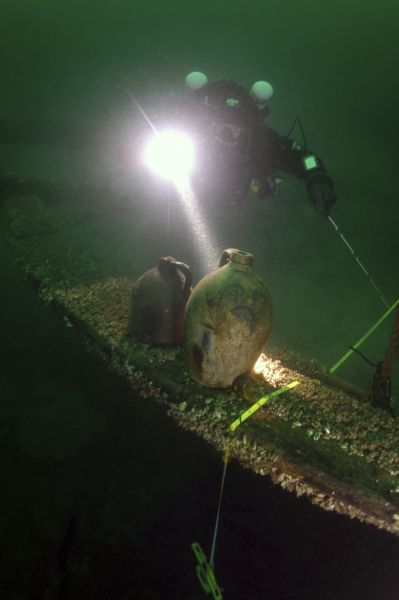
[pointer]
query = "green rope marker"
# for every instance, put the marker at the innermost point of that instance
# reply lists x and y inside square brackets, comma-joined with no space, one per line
[245,415]
[205,573]
[364,338]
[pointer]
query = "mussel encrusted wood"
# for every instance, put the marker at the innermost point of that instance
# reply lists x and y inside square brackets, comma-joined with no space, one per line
[319,439]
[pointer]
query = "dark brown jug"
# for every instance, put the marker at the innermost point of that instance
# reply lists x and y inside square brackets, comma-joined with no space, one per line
[157,303]
[227,321]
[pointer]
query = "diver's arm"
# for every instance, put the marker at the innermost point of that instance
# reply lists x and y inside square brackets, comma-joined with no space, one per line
[290,157]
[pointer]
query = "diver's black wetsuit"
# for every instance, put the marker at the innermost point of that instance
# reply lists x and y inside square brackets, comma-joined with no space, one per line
[238,147]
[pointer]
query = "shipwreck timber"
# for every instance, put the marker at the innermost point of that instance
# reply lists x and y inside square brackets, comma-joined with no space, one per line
[321,439]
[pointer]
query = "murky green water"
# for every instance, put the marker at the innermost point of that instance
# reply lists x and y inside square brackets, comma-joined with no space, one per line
[133,499]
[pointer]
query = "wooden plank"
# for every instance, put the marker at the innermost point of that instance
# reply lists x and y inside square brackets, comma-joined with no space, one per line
[320,439]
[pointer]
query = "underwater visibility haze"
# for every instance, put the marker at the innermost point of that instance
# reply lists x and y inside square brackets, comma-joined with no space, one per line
[103,493]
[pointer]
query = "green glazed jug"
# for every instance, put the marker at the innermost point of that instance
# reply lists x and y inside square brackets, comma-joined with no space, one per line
[157,303]
[227,321]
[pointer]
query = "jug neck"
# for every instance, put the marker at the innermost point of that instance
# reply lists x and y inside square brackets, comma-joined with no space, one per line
[237,259]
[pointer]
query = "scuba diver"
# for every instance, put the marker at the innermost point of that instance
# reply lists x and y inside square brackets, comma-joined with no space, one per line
[239,151]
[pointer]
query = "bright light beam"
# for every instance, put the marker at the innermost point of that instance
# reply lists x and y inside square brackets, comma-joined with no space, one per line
[170,154]
[143,113]
[207,248]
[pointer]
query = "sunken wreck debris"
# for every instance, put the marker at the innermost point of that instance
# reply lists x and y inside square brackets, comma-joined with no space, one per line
[320,439]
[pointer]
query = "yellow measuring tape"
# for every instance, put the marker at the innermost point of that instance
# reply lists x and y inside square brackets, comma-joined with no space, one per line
[364,338]
[245,415]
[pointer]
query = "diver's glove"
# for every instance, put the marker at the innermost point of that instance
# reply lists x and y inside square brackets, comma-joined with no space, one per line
[321,193]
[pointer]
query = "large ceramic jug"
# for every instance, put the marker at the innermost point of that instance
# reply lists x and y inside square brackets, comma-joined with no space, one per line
[227,321]
[157,303]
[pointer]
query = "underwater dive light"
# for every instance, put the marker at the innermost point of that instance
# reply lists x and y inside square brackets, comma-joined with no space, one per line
[170,154]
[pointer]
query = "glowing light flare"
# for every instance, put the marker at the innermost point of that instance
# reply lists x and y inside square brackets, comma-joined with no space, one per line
[270,370]
[170,154]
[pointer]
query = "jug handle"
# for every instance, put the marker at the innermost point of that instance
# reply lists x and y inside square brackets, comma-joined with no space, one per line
[185,269]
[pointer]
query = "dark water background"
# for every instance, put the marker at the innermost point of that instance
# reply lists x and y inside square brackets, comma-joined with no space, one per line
[110,510]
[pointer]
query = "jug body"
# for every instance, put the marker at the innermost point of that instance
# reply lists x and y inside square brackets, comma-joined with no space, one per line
[157,303]
[227,322]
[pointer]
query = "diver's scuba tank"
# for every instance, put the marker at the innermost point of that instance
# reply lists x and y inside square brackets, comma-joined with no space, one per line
[227,321]
[157,303]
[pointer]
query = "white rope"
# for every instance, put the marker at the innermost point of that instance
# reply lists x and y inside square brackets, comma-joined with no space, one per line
[212,556]
[343,238]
